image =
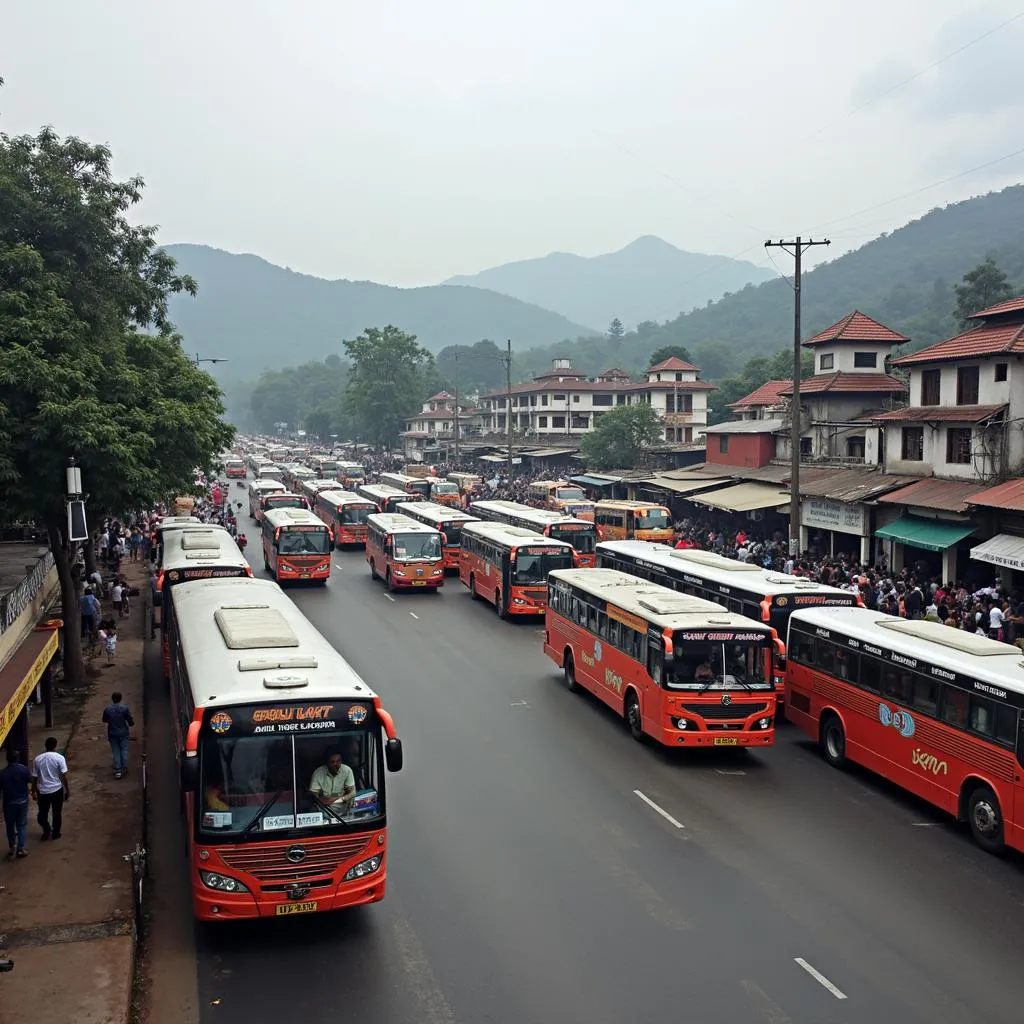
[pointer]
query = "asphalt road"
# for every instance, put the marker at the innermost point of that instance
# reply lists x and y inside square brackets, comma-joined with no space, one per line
[538,871]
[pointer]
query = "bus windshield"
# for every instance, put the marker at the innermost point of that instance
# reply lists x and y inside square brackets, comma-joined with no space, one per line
[582,540]
[709,665]
[652,519]
[534,564]
[452,533]
[297,541]
[292,501]
[441,487]
[569,493]
[352,514]
[268,783]
[412,546]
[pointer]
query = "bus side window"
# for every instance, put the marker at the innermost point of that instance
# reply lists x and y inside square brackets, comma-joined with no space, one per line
[826,656]
[1006,725]
[897,684]
[846,666]
[655,660]
[925,696]
[991,719]
[870,675]
[954,707]
[615,633]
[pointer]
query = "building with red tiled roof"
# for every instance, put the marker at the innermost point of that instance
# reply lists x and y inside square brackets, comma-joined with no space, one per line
[964,394]
[855,328]
[762,403]
[564,400]
[847,383]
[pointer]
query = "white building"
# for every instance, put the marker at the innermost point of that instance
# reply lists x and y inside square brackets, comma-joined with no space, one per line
[432,430]
[565,401]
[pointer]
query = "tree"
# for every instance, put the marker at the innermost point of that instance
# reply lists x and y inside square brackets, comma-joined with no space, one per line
[982,287]
[659,355]
[621,435]
[615,330]
[478,367]
[387,383]
[77,376]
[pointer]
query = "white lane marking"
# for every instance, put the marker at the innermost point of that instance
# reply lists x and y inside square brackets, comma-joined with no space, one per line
[924,824]
[726,771]
[337,566]
[390,598]
[519,704]
[654,807]
[819,977]
[414,615]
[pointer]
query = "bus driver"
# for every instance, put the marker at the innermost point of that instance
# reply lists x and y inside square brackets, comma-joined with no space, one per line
[334,784]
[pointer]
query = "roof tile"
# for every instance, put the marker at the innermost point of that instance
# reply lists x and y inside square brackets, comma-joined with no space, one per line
[672,363]
[767,394]
[983,340]
[1009,306]
[857,326]
[853,383]
[939,414]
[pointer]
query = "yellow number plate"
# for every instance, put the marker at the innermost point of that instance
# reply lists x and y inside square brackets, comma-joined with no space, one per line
[725,741]
[297,908]
[419,583]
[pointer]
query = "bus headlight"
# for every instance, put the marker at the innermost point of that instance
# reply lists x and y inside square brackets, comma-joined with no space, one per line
[764,723]
[400,573]
[363,868]
[222,883]
[682,723]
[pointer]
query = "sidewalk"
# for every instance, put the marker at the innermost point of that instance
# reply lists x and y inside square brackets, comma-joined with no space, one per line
[66,910]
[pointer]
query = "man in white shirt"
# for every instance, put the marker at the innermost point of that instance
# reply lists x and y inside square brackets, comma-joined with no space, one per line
[995,620]
[50,788]
[334,784]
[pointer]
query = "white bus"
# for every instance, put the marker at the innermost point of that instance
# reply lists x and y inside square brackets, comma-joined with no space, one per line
[448,521]
[255,757]
[384,496]
[580,533]
[418,485]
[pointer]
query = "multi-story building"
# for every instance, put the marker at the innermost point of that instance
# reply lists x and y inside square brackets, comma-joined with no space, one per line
[765,403]
[565,401]
[433,428]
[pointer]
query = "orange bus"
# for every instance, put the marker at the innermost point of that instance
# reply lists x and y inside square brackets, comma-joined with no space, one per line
[350,474]
[633,520]
[403,552]
[444,492]
[267,832]
[509,566]
[296,546]
[417,485]
[679,669]
[561,496]
[314,485]
[345,514]
[282,499]
[577,532]
[191,551]
[235,469]
[259,489]
[448,521]
[384,496]
[938,711]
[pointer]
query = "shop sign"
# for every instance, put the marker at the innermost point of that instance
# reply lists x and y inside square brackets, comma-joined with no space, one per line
[845,517]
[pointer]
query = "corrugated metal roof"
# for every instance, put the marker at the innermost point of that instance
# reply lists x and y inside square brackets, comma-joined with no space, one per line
[851,484]
[546,453]
[940,414]
[1008,496]
[858,326]
[745,427]
[944,495]
[744,497]
[666,483]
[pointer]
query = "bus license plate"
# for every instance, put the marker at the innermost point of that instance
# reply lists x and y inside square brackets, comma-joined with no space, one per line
[304,576]
[725,741]
[419,583]
[297,908]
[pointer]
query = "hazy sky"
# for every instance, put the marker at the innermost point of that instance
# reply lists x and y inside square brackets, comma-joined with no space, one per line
[406,140]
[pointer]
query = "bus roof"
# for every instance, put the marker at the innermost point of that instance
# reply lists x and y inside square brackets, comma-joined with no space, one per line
[384,490]
[177,522]
[661,607]
[512,536]
[200,547]
[717,568]
[628,505]
[244,641]
[392,522]
[259,484]
[954,650]
[320,484]
[284,518]
[540,516]
[438,513]
[338,497]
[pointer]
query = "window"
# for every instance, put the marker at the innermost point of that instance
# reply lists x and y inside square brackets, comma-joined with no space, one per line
[805,446]
[826,362]
[802,649]
[967,385]
[723,443]
[576,398]
[679,376]
[687,403]
[558,421]
[958,445]
[870,675]
[1000,371]
[620,399]
[913,444]
[855,446]
[543,399]
[559,398]
[602,400]
[865,359]
[542,421]
[931,387]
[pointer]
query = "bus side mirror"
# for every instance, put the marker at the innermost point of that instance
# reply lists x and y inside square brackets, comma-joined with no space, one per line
[393,755]
[189,767]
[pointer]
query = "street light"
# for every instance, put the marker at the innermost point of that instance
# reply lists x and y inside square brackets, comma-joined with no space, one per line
[77,528]
[214,359]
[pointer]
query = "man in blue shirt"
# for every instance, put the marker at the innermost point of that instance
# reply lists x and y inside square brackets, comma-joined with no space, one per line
[14,783]
[90,613]
[119,728]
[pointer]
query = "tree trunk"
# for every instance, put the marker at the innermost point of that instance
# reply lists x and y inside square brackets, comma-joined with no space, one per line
[74,662]
[90,553]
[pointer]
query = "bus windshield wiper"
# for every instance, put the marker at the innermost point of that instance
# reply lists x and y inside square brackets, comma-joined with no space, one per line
[259,814]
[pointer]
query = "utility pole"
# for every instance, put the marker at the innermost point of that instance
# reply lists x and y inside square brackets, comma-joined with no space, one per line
[508,402]
[795,248]
[456,409]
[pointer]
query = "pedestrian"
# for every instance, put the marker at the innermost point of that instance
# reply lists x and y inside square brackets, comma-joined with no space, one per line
[108,637]
[90,609]
[50,788]
[15,780]
[116,595]
[119,722]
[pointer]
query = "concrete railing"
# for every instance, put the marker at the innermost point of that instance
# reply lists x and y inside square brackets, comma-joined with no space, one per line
[21,607]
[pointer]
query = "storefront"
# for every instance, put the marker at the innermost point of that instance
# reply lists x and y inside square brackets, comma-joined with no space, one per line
[1006,552]
[764,504]
[28,667]
[835,527]
[933,544]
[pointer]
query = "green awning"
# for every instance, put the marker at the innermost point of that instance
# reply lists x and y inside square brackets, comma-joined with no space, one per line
[929,534]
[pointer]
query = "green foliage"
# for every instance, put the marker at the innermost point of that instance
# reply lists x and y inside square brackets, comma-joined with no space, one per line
[659,355]
[982,287]
[310,396]
[473,368]
[390,374]
[78,283]
[756,371]
[621,435]
[616,330]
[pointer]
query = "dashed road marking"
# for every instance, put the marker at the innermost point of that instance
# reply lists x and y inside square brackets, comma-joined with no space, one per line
[654,807]
[819,977]
[727,771]
[390,598]
[414,615]
[519,704]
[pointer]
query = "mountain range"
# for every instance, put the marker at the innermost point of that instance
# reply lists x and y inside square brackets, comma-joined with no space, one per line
[649,279]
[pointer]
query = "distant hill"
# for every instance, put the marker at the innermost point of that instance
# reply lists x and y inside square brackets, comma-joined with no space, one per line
[647,280]
[904,279]
[251,311]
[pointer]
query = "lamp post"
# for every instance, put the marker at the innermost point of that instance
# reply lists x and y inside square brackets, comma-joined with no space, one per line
[196,360]
[77,528]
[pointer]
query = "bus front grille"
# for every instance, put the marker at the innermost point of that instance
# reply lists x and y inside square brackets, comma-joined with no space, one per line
[720,711]
[269,863]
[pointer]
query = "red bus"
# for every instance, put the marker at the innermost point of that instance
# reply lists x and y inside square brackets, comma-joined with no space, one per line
[192,551]
[296,546]
[384,496]
[258,489]
[679,669]
[345,514]
[509,566]
[282,499]
[416,485]
[312,487]
[938,711]
[448,521]
[269,831]
[580,533]
[403,552]
[235,469]
[350,474]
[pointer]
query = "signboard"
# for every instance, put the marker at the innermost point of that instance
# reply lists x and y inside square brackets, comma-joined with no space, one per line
[720,636]
[9,713]
[822,514]
[279,719]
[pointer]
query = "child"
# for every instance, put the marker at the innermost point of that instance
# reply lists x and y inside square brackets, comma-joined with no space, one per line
[108,637]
